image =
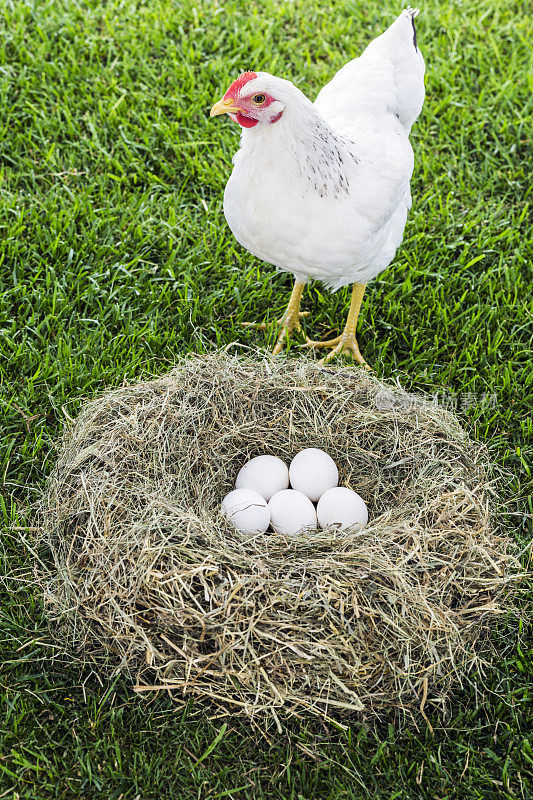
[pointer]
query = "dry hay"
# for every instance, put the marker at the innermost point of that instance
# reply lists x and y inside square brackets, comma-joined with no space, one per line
[148,576]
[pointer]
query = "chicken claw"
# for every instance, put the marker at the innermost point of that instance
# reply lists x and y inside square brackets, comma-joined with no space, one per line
[263,326]
[345,343]
[289,322]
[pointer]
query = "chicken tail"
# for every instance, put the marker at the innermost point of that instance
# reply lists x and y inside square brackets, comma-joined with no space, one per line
[412,13]
[398,46]
[386,81]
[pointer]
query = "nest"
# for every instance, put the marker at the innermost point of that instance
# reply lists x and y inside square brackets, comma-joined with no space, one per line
[148,576]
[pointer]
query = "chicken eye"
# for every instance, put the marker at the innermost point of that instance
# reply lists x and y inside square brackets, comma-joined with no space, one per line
[258,99]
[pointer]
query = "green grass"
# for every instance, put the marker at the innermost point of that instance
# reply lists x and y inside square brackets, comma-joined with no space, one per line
[115,258]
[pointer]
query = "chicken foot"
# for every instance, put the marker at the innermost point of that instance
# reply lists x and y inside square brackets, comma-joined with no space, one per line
[346,342]
[289,322]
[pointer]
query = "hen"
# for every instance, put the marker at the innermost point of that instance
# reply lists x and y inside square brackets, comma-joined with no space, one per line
[321,190]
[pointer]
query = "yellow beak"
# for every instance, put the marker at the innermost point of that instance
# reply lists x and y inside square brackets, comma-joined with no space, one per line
[224,106]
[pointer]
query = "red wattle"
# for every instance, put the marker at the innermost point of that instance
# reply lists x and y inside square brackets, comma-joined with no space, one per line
[246,122]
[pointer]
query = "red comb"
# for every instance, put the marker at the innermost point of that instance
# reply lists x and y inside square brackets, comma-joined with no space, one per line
[237,84]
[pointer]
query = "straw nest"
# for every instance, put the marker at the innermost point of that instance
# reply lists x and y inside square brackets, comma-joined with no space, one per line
[147,576]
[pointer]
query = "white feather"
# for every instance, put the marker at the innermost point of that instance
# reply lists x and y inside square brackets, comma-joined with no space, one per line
[324,192]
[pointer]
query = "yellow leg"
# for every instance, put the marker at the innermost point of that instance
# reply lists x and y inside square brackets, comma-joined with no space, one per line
[289,322]
[291,319]
[346,342]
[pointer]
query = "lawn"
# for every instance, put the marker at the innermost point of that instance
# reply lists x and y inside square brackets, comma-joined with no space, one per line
[116,258]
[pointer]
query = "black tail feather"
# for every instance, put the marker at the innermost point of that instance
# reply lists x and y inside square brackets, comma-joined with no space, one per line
[413,12]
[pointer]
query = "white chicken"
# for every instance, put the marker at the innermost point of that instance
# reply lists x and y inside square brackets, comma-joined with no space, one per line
[321,190]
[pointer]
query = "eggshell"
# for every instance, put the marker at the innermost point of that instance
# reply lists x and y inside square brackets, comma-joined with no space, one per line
[264,474]
[246,510]
[313,472]
[343,508]
[291,512]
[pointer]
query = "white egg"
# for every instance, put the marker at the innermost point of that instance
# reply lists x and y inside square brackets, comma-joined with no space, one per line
[343,508]
[313,472]
[246,510]
[291,512]
[264,474]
